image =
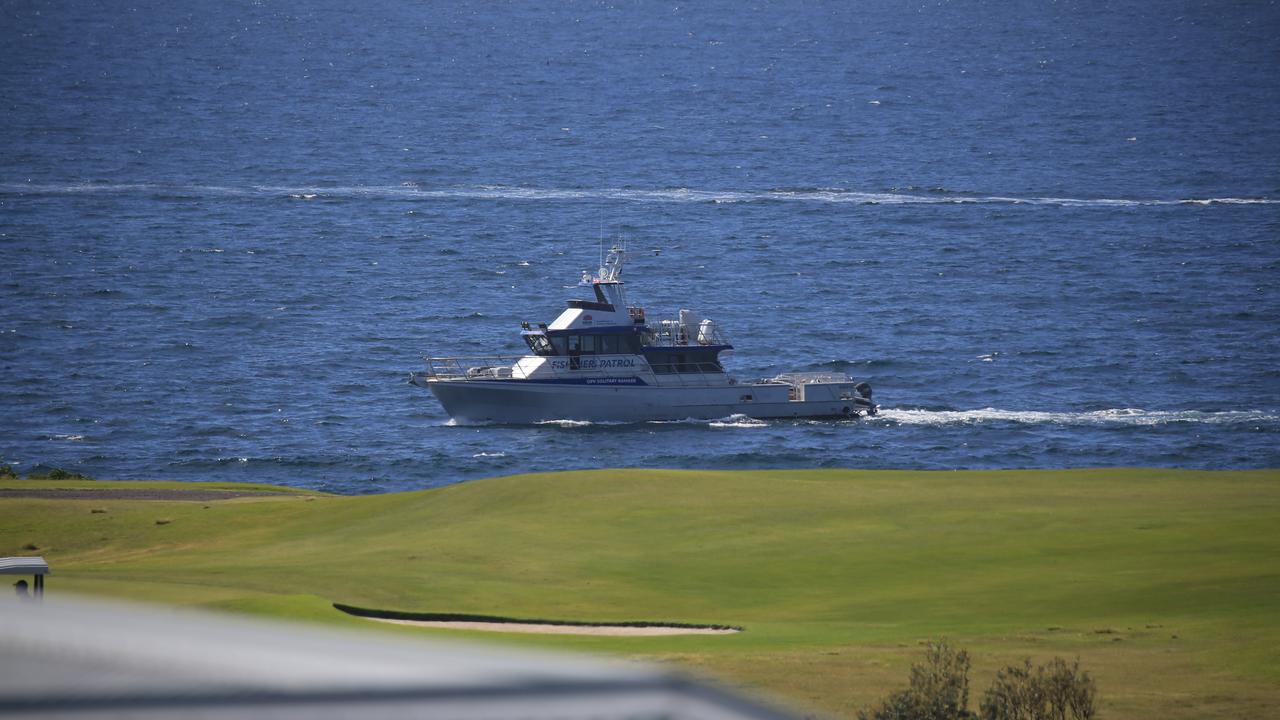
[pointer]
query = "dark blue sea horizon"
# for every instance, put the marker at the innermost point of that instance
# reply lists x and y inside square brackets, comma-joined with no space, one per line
[1048,234]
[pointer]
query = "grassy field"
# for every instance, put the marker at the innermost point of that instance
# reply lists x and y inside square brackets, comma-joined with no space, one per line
[1166,584]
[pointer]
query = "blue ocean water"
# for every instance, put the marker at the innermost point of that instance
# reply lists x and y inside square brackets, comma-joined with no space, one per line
[1048,234]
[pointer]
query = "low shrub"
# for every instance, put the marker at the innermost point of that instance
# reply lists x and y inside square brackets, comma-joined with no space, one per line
[56,473]
[938,690]
[1054,691]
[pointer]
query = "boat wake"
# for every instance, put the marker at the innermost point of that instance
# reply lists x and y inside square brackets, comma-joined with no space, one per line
[412,191]
[910,416]
[1122,416]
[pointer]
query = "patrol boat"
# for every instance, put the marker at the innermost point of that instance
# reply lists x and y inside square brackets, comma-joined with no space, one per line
[601,360]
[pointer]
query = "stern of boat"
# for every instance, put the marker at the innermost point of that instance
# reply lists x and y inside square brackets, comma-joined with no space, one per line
[842,394]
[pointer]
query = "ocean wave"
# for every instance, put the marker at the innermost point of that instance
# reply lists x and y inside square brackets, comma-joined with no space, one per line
[1119,416]
[410,191]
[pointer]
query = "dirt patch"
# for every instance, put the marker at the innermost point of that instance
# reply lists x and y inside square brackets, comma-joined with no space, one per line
[549,629]
[131,494]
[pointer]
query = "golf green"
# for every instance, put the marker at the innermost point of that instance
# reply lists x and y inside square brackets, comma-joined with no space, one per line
[1165,583]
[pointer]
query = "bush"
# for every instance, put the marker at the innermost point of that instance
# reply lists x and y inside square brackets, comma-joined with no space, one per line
[47,473]
[939,689]
[1056,691]
[6,471]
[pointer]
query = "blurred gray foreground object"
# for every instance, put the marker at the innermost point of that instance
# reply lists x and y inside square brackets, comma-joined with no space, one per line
[93,659]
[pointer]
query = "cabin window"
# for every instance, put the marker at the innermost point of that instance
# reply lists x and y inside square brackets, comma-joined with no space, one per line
[561,347]
[668,362]
[575,344]
[609,344]
[539,344]
[588,344]
[663,362]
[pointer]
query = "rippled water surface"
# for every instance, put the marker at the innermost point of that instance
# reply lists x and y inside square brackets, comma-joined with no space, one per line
[1048,235]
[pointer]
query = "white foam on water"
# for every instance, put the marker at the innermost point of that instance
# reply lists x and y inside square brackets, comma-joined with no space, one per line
[737,420]
[1118,416]
[498,454]
[665,195]
[1230,201]
[567,423]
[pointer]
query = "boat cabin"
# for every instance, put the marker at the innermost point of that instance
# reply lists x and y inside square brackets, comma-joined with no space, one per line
[663,358]
[598,341]
[606,325]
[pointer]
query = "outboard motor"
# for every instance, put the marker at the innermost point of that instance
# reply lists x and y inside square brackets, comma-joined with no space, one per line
[864,389]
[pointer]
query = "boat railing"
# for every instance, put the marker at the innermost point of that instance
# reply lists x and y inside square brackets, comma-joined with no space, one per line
[670,333]
[807,378]
[796,379]
[473,368]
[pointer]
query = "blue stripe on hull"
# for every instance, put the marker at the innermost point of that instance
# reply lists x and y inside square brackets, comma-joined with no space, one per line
[563,381]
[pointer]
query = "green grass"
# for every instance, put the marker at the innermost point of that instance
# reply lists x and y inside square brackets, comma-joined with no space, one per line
[837,576]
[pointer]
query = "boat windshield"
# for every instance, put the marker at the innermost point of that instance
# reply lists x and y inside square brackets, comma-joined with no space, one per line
[539,344]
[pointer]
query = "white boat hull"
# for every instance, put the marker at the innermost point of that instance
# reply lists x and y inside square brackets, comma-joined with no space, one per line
[522,402]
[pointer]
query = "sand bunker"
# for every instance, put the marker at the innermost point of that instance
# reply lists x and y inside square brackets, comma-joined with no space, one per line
[550,629]
[494,623]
